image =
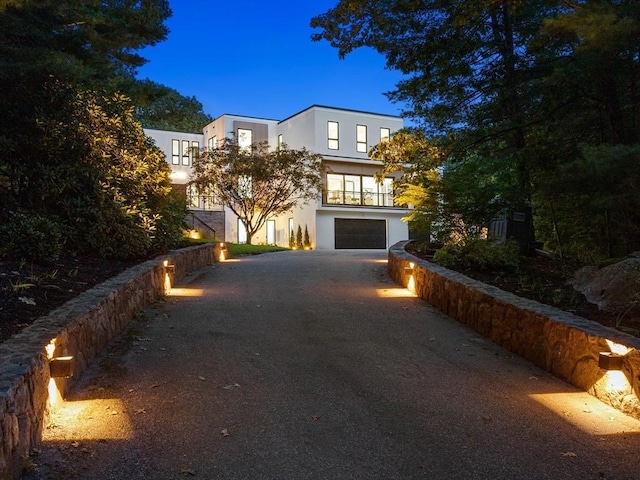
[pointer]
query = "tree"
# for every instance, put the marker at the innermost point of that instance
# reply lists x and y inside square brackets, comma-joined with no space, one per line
[258,183]
[515,92]
[306,242]
[468,71]
[299,241]
[70,150]
[164,108]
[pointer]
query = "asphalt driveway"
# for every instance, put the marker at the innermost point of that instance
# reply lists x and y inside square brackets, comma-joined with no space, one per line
[315,365]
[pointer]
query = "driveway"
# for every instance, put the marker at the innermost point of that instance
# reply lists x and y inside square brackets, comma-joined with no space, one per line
[315,365]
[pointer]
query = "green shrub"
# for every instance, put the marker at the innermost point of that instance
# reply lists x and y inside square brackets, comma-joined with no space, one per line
[31,236]
[479,254]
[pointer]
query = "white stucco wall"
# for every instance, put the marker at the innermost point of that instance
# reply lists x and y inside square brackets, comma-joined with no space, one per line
[163,139]
[397,229]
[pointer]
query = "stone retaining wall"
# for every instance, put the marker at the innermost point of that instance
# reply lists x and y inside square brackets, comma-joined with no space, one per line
[563,344]
[80,328]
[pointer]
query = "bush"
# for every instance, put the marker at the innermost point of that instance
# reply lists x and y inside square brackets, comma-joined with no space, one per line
[31,236]
[479,254]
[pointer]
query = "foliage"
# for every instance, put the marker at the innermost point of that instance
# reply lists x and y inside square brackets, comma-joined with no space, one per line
[479,254]
[258,183]
[69,146]
[164,108]
[299,244]
[522,99]
[306,242]
[77,41]
[32,237]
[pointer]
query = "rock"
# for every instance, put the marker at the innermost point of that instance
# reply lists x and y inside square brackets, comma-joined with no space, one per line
[614,288]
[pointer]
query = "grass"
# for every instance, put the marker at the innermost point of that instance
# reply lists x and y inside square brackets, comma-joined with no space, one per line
[238,249]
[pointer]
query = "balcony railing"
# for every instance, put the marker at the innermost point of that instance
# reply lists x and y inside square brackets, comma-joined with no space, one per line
[360,199]
[203,202]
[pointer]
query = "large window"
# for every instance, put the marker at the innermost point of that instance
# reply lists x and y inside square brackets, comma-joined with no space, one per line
[213,143]
[245,139]
[280,142]
[332,136]
[361,138]
[359,190]
[201,199]
[385,134]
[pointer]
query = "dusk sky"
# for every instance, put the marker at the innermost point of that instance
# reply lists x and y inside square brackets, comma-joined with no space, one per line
[256,58]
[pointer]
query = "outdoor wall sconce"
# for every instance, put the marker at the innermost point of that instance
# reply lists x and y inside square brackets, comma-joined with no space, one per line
[610,361]
[61,367]
[170,267]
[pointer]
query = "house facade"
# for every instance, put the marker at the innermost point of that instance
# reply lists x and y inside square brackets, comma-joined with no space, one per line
[353,211]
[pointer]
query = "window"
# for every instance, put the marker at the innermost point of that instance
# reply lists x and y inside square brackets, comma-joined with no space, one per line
[280,142]
[185,152]
[175,152]
[245,189]
[332,135]
[385,134]
[359,190]
[361,138]
[242,232]
[245,139]
[195,151]
[213,143]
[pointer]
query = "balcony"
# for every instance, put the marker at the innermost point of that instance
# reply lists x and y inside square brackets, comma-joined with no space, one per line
[357,198]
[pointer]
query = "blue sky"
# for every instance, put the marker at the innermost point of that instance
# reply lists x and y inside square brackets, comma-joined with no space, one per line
[256,58]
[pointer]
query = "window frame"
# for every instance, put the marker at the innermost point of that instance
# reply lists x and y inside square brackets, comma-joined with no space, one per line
[241,143]
[361,143]
[333,142]
[175,151]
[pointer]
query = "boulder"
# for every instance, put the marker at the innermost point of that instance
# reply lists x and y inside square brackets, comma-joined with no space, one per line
[614,288]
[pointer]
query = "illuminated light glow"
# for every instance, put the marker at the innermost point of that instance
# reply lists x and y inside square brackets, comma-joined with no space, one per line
[194,234]
[617,348]
[382,260]
[165,263]
[51,348]
[167,284]
[55,398]
[89,420]
[394,293]
[411,285]
[221,256]
[185,292]
[615,382]
[587,413]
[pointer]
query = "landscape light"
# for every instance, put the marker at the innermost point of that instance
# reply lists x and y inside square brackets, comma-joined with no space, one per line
[610,361]
[61,367]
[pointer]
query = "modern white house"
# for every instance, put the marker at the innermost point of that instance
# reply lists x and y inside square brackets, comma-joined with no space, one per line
[354,211]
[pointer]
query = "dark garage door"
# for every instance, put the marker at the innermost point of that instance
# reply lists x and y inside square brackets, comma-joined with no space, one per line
[360,233]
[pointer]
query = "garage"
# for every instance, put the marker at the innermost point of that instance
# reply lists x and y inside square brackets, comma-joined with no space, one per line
[360,233]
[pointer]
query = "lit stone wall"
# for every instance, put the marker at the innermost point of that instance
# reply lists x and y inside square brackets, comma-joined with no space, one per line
[80,328]
[563,344]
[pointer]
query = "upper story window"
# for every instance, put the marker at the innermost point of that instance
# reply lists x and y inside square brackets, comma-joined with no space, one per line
[332,135]
[385,134]
[175,152]
[245,139]
[280,142]
[186,150]
[361,138]
[195,151]
[212,143]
